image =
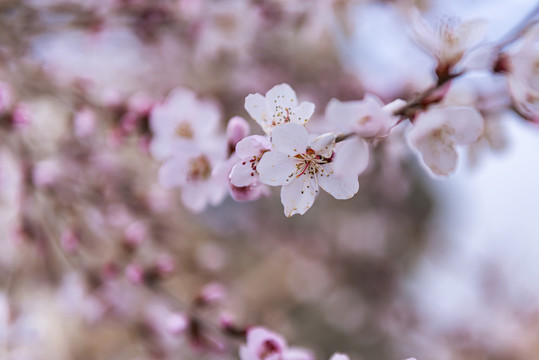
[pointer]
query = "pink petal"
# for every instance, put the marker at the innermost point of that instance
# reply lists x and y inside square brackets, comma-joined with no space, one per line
[242,174]
[252,145]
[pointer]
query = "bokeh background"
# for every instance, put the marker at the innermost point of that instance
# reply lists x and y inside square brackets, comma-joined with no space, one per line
[98,261]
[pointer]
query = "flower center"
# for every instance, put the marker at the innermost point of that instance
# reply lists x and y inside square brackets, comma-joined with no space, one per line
[184,130]
[268,348]
[199,169]
[310,163]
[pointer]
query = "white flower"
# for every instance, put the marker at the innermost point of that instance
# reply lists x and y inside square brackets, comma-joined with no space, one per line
[279,106]
[368,118]
[263,344]
[450,40]
[436,133]
[524,76]
[182,120]
[300,166]
[196,171]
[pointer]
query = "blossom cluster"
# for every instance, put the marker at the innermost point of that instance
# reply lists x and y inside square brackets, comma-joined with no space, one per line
[291,155]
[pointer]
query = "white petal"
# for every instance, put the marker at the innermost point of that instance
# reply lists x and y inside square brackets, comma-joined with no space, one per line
[242,174]
[276,168]
[194,197]
[470,33]
[290,139]
[440,157]
[423,33]
[299,195]
[339,186]
[338,356]
[161,147]
[351,157]
[256,107]
[172,173]
[205,118]
[394,106]
[302,113]
[297,354]
[466,122]
[281,96]
[252,146]
[342,115]
[323,144]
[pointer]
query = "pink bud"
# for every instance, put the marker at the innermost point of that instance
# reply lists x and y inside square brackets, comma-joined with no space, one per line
[211,293]
[84,122]
[46,173]
[165,264]
[141,103]
[134,273]
[237,129]
[177,323]
[135,233]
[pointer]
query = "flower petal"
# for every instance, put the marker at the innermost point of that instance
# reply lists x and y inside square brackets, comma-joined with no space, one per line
[173,173]
[257,336]
[252,145]
[278,99]
[342,115]
[255,105]
[339,186]
[422,33]
[338,356]
[302,113]
[440,157]
[351,157]
[276,168]
[242,174]
[466,122]
[299,195]
[194,197]
[296,353]
[470,33]
[323,144]
[290,139]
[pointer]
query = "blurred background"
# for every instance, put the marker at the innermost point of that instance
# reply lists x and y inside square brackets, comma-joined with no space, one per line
[98,261]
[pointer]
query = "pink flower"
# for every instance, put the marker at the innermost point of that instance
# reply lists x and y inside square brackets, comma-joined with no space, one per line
[436,133]
[236,129]
[279,106]
[368,118]
[263,344]
[249,152]
[300,166]
[196,172]
[181,121]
